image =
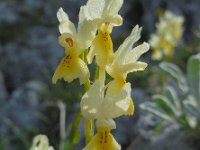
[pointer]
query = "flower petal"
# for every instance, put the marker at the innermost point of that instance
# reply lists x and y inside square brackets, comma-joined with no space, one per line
[132,67]
[83,72]
[104,10]
[91,101]
[115,86]
[70,68]
[135,54]
[66,40]
[41,142]
[93,9]
[127,45]
[117,105]
[115,20]
[86,30]
[66,26]
[103,140]
[110,123]
[102,47]
[112,7]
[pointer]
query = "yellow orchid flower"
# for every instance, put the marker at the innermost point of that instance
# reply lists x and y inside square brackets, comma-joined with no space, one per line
[98,103]
[125,59]
[106,12]
[168,33]
[103,140]
[41,142]
[75,42]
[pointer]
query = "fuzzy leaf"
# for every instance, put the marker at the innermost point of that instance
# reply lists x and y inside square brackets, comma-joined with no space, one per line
[191,106]
[165,104]
[193,69]
[171,95]
[176,73]
[153,108]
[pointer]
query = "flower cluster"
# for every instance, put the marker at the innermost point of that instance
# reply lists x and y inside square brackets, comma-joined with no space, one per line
[102,102]
[168,33]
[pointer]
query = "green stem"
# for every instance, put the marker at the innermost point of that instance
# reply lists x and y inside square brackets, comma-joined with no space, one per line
[72,132]
[88,129]
[96,75]
[88,123]
[102,76]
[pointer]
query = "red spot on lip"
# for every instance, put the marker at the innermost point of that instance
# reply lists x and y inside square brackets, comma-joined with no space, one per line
[69,42]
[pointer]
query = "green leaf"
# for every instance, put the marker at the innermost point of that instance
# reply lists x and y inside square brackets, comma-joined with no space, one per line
[73,134]
[183,121]
[191,106]
[193,69]
[153,108]
[1,147]
[158,127]
[165,104]
[171,95]
[177,74]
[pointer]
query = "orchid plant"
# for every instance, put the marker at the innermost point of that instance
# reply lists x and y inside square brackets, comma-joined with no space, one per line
[169,31]
[103,101]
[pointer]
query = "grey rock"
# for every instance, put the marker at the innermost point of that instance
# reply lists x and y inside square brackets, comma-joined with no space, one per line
[9,14]
[170,139]
[24,104]
[22,111]
[34,57]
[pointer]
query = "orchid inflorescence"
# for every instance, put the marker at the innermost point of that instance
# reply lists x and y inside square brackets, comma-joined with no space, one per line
[103,101]
[169,31]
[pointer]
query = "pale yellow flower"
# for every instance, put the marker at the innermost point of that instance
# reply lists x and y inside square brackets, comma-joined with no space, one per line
[168,33]
[106,14]
[105,11]
[75,42]
[103,140]
[125,59]
[41,142]
[98,103]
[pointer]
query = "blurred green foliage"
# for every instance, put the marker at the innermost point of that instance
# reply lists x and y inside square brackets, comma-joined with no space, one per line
[179,102]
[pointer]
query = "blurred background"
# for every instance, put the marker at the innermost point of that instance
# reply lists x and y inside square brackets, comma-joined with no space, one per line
[29,54]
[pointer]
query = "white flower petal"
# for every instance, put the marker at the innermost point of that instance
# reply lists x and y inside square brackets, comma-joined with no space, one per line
[112,7]
[104,10]
[41,142]
[83,72]
[115,20]
[95,106]
[127,45]
[86,31]
[132,67]
[106,122]
[66,26]
[93,9]
[135,54]
[91,101]
[116,105]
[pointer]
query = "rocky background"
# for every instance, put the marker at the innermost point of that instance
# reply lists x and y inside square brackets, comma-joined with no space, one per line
[29,54]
